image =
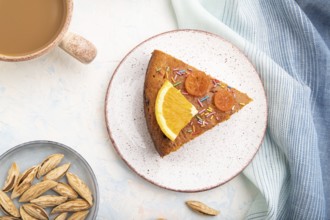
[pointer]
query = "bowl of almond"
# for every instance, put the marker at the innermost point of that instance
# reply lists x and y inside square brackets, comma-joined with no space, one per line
[46,180]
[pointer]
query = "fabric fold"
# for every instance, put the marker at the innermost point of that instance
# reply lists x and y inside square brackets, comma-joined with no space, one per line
[293,61]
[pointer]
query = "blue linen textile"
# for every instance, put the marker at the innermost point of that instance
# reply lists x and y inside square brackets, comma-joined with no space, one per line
[288,42]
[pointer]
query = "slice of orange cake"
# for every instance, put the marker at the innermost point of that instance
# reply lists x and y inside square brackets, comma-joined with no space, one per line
[182,102]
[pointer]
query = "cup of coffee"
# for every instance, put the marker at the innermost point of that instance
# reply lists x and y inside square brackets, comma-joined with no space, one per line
[31,28]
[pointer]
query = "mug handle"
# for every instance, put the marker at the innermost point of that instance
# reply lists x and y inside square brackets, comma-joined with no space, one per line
[78,47]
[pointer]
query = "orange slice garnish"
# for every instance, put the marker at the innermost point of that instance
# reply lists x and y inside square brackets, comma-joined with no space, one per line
[173,111]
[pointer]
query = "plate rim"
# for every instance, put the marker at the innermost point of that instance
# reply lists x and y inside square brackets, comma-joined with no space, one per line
[112,139]
[63,146]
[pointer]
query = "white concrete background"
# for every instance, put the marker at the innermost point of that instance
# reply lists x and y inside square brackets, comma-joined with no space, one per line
[56,98]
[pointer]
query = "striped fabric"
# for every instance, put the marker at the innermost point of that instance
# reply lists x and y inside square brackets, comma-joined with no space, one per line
[288,42]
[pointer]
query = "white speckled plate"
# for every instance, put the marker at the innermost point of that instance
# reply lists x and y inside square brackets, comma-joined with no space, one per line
[32,153]
[212,158]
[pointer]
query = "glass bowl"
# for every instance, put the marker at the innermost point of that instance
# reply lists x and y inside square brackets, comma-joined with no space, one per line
[32,153]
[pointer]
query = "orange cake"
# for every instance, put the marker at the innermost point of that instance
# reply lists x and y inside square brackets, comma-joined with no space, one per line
[182,102]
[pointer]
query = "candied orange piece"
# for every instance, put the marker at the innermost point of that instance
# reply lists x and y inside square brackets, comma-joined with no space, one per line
[224,100]
[197,83]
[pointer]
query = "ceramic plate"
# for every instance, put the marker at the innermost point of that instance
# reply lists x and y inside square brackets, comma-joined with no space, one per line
[210,159]
[32,153]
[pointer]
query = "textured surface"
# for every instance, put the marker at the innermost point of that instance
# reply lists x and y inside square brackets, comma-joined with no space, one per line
[78,47]
[57,98]
[214,157]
